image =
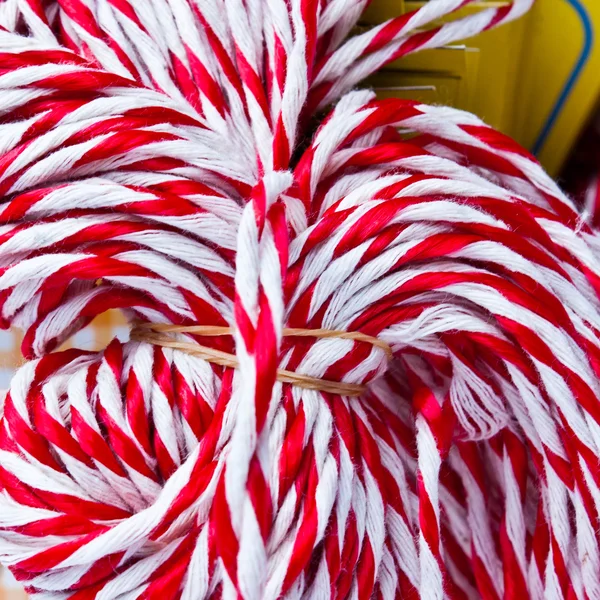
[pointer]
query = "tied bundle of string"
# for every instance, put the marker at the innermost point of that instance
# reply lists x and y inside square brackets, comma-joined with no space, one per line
[203,163]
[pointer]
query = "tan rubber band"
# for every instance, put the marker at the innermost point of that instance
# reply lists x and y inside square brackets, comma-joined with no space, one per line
[159,334]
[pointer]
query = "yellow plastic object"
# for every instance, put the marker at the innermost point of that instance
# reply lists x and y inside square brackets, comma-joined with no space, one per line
[537,79]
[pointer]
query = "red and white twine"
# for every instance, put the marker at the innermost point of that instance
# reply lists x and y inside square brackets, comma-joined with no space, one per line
[204,162]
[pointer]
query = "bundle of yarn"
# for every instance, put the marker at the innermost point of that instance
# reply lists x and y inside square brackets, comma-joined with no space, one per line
[367,351]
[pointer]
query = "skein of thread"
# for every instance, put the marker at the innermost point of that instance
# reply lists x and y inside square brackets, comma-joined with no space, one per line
[158,158]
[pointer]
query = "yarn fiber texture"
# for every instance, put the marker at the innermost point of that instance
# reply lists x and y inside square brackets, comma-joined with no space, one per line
[206,162]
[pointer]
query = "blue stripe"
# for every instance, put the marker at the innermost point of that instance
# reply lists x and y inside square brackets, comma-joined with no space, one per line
[588,32]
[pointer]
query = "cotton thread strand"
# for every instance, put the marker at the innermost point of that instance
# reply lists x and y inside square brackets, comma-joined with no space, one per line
[158,334]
